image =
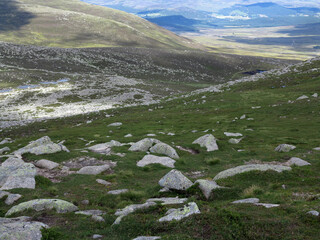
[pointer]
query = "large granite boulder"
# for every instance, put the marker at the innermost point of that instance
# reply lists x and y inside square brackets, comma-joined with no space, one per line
[143,145]
[43,145]
[22,228]
[208,141]
[250,167]
[14,173]
[152,159]
[175,180]
[164,149]
[180,213]
[60,206]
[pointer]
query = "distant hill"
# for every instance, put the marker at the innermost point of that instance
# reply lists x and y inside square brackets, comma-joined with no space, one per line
[73,23]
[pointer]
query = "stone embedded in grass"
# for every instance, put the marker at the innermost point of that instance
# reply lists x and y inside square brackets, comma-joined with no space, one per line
[250,167]
[97,236]
[104,148]
[152,159]
[116,124]
[267,205]
[228,134]
[302,97]
[121,213]
[97,218]
[180,213]
[43,145]
[285,148]
[117,192]
[235,141]
[146,238]
[93,170]
[103,182]
[208,141]
[165,149]
[207,187]
[128,135]
[314,213]
[297,161]
[175,180]
[315,95]
[14,173]
[91,212]
[46,164]
[168,200]
[6,140]
[11,198]
[60,206]
[247,200]
[22,228]
[4,150]
[143,145]
[316,149]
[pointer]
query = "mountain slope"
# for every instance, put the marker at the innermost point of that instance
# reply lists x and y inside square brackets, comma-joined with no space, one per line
[76,24]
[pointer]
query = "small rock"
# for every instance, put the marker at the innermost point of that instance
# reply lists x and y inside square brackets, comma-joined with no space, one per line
[285,148]
[152,159]
[91,212]
[146,238]
[247,200]
[208,141]
[105,148]
[165,149]
[180,213]
[143,145]
[267,205]
[11,198]
[97,236]
[235,141]
[171,134]
[297,161]
[6,140]
[4,150]
[151,135]
[302,97]
[175,180]
[117,192]
[46,164]
[103,182]
[207,187]
[169,200]
[116,124]
[121,213]
[128,136]
[243,117]
[97,218]
[314,213]
[85,202]
[93,170]
[228,134]
[315,95]
[317,149]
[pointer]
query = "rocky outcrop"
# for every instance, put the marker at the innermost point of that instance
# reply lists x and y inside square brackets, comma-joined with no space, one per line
[46,164]
[143,145]
[152,159]
[22,228]
[208,141]
[250,167]
[175,180]
[43,145]
[297,162]
[60,206]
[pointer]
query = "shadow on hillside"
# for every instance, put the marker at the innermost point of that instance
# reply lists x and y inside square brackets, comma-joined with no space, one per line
[11,17]
[302,30]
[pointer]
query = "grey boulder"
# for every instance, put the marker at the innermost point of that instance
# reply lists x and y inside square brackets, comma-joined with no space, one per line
[143,145]
[250,167]
[164,149]
[175,180]
[314,213]
[207,187]
[11,198]
[4,150]
[93,170]
[130,209]
[247,200]
[208,141]
[146,238]
[22,228]
[168,200]
[60,206]
[46,164]
[285,148]
[297,161]
[180,213]
[152,159]
[43,145]
[104,148]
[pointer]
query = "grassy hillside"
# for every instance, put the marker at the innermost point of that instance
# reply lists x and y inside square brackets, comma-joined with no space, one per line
[73,23]
[273,117]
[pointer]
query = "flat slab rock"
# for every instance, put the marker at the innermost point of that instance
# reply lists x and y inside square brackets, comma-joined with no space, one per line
[103,182]
[15,173]
[85,161]
[143,145]
[175,180]
[297,162]
[285,148]
[250,167]
[43,145]
[10,197]
[229,134]
[208,141]
[164,149]
[104,148]
[146,238]
[91,212]
[116,124]
[121,213]
[21,228]
[117,192]
[314,213]
[255,201]
[93,170]
[60,206]
[180,213]
[169,200]
[152,159]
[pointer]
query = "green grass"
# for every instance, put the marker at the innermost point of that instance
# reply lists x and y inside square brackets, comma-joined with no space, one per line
[219,219]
